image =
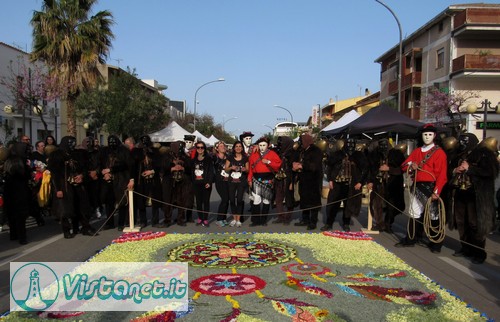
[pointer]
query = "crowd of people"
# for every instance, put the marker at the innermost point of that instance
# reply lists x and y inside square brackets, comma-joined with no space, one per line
[86,180]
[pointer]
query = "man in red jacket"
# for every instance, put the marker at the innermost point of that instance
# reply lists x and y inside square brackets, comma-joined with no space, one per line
[428,166]
[263,164]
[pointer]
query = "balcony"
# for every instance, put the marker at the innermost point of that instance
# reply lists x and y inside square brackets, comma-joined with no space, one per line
[475,22]
[409,80]
[476,63]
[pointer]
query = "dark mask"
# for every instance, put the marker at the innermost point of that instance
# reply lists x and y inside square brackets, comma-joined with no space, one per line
[146,141]
[383,146]
[463,143]
[350,146]
[113,142]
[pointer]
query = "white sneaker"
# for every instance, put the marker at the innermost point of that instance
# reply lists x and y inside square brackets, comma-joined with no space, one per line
[98,213]
[232,223]
[238,224]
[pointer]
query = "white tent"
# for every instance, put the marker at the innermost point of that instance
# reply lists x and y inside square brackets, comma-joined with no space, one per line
[171,133]
[212,140]
[343,121]
[200,137]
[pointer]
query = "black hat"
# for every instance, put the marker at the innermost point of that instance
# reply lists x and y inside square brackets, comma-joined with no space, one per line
[189,137]
[245,134]
[429,127]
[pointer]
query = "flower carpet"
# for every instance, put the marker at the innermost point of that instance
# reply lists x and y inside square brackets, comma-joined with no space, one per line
[330,276]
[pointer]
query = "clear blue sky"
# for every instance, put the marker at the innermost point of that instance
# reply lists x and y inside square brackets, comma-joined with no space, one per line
[292,53]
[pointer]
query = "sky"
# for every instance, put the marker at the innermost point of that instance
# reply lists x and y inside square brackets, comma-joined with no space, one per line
[291,53]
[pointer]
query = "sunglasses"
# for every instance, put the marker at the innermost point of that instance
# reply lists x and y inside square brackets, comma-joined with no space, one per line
[200,147]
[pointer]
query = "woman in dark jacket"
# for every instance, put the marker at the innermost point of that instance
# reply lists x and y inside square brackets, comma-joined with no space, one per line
[17,194]
[203,176]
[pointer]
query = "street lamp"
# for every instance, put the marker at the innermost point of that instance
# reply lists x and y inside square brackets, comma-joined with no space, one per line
[485,105]
[196,93]
[225,121]
[400,52]
[291,116]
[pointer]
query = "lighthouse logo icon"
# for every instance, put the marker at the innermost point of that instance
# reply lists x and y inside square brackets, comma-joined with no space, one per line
[34,287]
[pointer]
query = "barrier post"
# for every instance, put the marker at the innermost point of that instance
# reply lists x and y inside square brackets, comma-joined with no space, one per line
[131,228]
[369,226]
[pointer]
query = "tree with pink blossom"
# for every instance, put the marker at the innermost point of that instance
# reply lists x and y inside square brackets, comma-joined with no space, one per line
[32,87]
[439,104]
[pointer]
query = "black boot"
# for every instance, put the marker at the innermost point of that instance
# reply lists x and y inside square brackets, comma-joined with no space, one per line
[265,211]
[255,215]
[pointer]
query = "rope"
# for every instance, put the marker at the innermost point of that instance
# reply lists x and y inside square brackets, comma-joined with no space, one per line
[246,215]
[434,234]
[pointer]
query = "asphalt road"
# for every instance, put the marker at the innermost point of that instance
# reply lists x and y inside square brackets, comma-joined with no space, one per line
[478,285]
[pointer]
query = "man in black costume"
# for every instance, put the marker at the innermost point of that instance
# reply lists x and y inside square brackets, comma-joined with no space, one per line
[176,185]
[68,167]
[473,190]
[117,175]
[93,184]
[385,181]
[310,172]
[284,179]
[147,176]
[347,173]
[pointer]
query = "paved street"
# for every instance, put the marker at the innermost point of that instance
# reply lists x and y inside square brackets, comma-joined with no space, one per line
[478,285]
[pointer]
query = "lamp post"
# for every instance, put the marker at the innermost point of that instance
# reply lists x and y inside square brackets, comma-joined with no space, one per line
[196,93]
[291,116]
[485,105]
[400,52]
[225,121]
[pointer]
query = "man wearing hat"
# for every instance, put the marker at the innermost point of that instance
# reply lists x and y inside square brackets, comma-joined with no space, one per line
[189,144]
[246,138]
[264,163]
[428,166]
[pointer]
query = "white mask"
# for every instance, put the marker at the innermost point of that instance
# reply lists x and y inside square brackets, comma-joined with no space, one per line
[189,144]
[263,147]
[428,137]
[247,141]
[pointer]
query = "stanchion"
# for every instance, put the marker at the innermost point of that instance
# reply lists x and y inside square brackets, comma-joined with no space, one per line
[368,229]
[131,228]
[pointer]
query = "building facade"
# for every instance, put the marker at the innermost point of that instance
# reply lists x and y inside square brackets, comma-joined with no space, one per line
[16,116]
[456,51]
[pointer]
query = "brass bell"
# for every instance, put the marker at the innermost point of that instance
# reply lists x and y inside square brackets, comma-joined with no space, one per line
[339,145]
[149,202]
[491,143]
[450,143]
[322,145]
[4,153]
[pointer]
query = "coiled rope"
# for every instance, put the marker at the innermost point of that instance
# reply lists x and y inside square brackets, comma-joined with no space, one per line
[435,234]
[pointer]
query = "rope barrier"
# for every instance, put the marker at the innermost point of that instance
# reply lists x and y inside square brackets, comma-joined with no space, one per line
[247,215]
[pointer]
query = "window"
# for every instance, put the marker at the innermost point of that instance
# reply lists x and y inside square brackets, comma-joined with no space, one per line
[440,58]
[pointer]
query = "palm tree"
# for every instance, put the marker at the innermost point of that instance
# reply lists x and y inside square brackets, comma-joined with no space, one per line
[72,44]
